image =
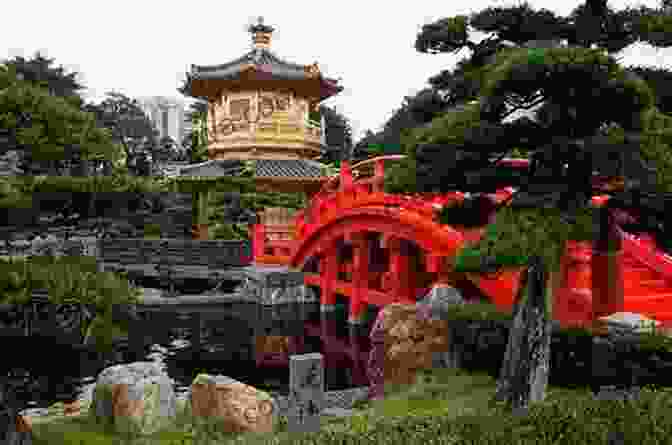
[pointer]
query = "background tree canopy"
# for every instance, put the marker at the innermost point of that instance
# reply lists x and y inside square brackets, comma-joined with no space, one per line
[45,127]
[500,28]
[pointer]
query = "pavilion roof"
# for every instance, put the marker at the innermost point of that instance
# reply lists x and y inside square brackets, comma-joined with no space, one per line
[259,64]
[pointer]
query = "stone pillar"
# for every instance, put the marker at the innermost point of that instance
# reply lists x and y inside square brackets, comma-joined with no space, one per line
[360,277]
[306,396]
[607,266]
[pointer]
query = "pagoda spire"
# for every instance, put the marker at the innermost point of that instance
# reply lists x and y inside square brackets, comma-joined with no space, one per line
[261,34]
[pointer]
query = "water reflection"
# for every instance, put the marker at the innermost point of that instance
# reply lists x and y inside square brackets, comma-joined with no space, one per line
[228,348]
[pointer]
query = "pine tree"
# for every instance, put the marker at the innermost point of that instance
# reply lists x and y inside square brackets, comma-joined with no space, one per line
[570,135]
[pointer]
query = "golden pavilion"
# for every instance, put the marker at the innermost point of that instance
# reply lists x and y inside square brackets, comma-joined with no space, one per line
[259,109]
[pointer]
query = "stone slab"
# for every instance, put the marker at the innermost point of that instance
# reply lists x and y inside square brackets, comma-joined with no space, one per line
[306,392]
[273,276]
[338,412]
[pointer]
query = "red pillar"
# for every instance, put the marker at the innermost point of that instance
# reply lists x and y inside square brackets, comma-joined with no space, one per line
[360,276]
[346,176]
[402,271]
[607,267]
[329,272]
[258,240]
[358,336]
[572,303]
[379,175]
[296,345]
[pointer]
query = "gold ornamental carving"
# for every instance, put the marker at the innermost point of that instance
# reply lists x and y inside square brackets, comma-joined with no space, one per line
[313,70]
[277,123]
[266,106]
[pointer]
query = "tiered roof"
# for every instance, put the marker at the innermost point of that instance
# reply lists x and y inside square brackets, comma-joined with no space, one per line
[258,65]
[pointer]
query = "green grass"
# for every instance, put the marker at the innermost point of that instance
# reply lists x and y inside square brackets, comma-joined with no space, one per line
[454,403]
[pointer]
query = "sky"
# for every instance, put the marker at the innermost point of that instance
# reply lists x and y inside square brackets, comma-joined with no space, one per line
[144,47]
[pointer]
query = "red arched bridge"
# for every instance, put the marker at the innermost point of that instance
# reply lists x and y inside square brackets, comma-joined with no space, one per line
[373,247]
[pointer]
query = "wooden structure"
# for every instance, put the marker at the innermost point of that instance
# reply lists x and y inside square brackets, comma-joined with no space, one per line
[259,111]
[357,241]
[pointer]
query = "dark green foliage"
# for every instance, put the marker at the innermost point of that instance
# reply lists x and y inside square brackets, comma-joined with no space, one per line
[196,140]
[415,111]
[338,134]
[39,71]
[129,127]
[47,129]
[660,81]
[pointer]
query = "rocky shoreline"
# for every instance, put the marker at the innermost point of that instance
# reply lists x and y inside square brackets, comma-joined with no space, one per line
[343,400]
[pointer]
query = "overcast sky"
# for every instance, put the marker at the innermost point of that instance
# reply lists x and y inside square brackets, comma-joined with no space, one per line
[143,47]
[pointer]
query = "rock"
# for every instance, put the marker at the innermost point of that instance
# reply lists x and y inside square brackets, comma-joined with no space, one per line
[241,408]
[66,409]
[403,342]
[439,299]
[137,397]
[627,321]
[21,244]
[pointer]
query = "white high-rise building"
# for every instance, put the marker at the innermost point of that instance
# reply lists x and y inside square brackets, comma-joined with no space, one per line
[168,116]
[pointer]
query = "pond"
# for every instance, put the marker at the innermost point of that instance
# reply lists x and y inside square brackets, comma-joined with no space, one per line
[218,355]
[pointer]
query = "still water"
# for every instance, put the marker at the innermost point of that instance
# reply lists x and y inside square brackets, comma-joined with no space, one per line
[171,349]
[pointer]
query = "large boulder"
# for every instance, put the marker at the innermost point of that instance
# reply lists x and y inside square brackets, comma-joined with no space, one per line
[137,397]
[239,408]
[403,341]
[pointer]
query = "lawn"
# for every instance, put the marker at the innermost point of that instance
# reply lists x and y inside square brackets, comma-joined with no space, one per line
[451,407]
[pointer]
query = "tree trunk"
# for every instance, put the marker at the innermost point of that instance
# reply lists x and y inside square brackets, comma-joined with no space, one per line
[525,369]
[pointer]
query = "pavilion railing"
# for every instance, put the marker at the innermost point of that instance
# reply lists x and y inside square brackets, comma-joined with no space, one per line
[273,236]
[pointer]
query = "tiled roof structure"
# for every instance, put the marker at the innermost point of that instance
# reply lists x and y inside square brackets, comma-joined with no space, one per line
[290,168]
[267,66]
[263,168]
[262,57]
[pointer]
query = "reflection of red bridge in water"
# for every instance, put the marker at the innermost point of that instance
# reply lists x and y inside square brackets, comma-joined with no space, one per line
[349,352]
[376,248]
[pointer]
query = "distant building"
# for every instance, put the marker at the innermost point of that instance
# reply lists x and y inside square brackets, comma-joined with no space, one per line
[168,116]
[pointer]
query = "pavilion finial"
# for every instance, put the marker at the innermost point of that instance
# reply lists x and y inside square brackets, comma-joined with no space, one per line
[261,34]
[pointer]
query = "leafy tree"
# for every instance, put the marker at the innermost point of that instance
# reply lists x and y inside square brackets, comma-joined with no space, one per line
[128,124]
[591,23]
[415,111]
[567,134]
[41,72]
[196,140]
[166,150]
[107,302]
[45,127]
[338,134]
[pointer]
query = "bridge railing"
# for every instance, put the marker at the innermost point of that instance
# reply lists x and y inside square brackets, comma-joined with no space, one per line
[362,185]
